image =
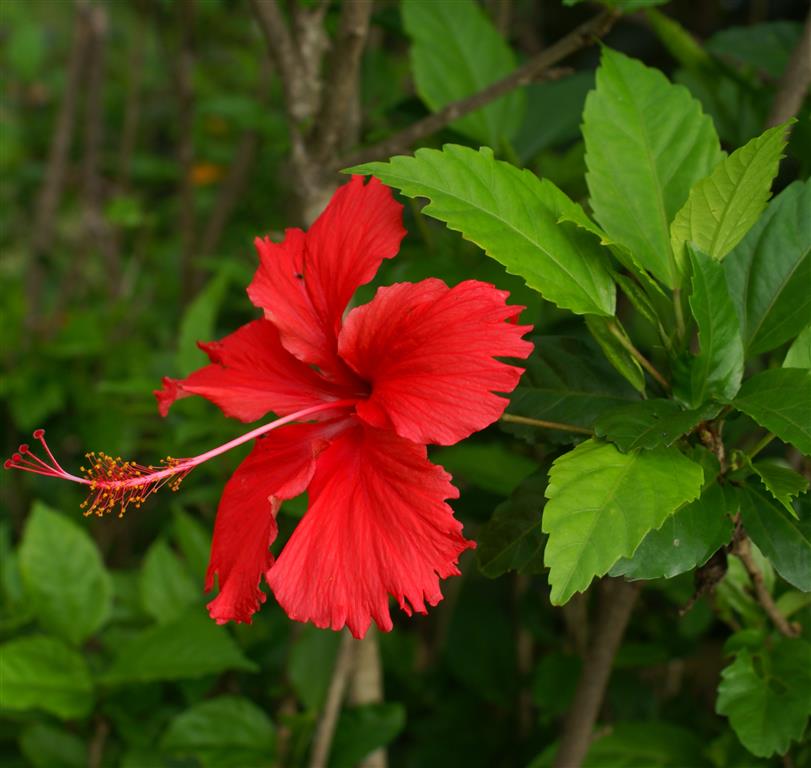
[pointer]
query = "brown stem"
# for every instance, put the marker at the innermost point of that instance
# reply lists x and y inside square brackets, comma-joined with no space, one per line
[97,232]
[285,55]
[132,101]
[183,74]
[512,418]
[743,551]
[344,68]
[50,193]
[529,72]
[95,752]
[367,688]
[319,755]
[794,83]
[617,600]
[235,180]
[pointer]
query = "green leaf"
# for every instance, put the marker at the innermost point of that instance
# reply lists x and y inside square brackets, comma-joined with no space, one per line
[646,745]
[686,540]
[43,673]
[165,585]
[781,481]
[778,400]
[723,207]
[226,732]
[490,466]
[312,659]
[616,352]
[191,646]
[647,143]
[799,353]
[362,730]
[717,369]
[602,503]
[784,540]
[764,47]
[770,270]
[562,98]
[512,540]
[566,380]
[765,695]
[650,423]
[513,216]
[194,542]
[46,746]
[64,577]
[198,323]
[456,52]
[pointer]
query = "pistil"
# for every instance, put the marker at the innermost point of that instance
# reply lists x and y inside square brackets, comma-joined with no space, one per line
[114,482]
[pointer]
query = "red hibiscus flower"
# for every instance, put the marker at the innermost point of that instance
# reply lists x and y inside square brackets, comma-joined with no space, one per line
[416,365]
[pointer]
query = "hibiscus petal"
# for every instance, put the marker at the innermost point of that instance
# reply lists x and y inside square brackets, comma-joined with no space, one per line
[251,374]
[429,352]
[377,525]
[304,283]
[279,467]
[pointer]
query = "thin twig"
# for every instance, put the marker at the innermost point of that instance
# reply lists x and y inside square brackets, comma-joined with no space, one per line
[743,551]
[95,756]
[97,231]
[637,355]
[183,72]
[512,418]
[344,661]
[761,444]
[344,68]
[529,72]
[132,101]
[50,193]
[617,600]
[792,89]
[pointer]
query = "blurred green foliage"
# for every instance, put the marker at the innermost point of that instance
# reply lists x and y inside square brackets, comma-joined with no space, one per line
[107,656]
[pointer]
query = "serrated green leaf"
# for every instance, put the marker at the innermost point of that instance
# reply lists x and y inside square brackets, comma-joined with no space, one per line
[362,730]
[781,481]
[650,423]
[165,585]
[799,353]
[64,577]
[717,369]
[784,540]
[456,52]
[226,732]
[490,466]
[312,659]
[770,270]
[191,646]
[722,207]
[647,143]
[513,216]
[601,505]
[686,540]
[765,695]
[45,746]
[567,380]
[43,673]
[615,351]
[512,540]
[778,400]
